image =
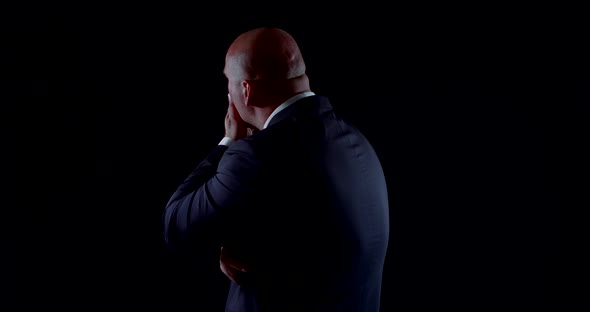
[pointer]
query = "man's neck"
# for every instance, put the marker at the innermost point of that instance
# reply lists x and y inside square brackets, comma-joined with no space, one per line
[271,112]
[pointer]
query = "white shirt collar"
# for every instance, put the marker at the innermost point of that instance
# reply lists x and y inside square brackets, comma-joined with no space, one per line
[286,104]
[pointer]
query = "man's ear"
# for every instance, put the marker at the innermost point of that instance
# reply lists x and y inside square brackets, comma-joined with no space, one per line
[246,92]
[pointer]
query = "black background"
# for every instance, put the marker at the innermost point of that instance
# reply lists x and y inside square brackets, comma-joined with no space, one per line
[105,112]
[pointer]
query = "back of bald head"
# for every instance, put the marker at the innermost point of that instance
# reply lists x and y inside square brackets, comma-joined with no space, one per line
[265,54]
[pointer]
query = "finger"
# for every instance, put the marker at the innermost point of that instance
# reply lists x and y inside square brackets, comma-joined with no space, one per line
[234,264]
[228,261]
[233,111]
[231,273]
[228,272]
[237,266]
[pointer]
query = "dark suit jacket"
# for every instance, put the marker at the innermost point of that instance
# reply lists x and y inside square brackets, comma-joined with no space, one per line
[303,202]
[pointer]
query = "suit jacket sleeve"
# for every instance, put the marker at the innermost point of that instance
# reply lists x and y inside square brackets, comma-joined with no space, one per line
[198,211]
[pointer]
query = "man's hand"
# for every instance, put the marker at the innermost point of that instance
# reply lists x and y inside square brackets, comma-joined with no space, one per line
[232,268]
[235,127]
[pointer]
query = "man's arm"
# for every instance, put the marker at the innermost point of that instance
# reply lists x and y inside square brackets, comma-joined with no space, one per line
[179,206]
[196,209]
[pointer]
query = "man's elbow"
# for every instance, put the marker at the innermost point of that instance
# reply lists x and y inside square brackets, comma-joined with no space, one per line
[171,230]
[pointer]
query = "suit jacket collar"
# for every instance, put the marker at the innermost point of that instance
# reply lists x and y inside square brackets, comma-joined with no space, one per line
[309,106]
[286,104]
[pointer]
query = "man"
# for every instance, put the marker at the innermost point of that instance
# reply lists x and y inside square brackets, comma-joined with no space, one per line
[294,196]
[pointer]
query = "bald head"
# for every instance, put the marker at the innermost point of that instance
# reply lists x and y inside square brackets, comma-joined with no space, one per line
[264,54]
[264,68]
